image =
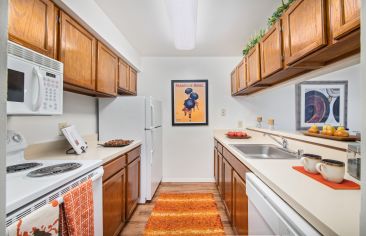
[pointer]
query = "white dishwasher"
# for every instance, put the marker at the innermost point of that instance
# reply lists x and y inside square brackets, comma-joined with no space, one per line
[268,214]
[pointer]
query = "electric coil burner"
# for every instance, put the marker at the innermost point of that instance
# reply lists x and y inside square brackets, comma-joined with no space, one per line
[22,167]
[54,169]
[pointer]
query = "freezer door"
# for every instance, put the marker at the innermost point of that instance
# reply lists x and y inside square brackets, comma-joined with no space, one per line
[153,113]
[155,160]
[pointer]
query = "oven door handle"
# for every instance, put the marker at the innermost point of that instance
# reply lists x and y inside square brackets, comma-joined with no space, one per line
[38,90]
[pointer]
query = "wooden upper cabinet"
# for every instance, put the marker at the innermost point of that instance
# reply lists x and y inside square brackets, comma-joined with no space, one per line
[234,81]
[107,71]
[32,24]
[133,81]
[304,29]
[345,17]
[242,75]
[271,51]
[133,185]
[77,52]
[240,205]
[253,66]
[124,75]
[114,203]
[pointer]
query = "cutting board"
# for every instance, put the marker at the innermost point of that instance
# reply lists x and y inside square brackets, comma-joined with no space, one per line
[350,138]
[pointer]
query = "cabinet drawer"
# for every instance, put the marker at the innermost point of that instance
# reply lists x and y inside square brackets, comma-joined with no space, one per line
[220,147]
[114,166]
[132,155]
[238,166]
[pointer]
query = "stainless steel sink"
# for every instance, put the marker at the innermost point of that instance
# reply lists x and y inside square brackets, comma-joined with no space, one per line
[263,151]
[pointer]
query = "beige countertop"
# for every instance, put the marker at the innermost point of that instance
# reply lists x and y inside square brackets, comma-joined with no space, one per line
[56,151]
[331,212]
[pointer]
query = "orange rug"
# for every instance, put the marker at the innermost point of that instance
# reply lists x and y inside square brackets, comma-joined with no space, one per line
[185,215]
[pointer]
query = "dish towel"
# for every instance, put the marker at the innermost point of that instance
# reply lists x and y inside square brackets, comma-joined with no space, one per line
[44,221]
[77,211]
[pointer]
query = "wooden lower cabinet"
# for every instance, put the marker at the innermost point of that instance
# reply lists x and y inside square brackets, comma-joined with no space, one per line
[133,185]
[220,175]
[232,189]
[121,191]
[240,206]
[216,166]
[227,171]
[114,204]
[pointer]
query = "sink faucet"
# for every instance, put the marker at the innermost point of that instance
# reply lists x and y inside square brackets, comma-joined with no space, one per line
[284,144]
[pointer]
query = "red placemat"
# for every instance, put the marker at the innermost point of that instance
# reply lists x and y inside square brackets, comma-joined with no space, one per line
[346,184]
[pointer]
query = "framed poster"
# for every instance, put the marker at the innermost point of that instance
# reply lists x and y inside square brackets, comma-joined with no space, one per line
[189,102]
[320,103]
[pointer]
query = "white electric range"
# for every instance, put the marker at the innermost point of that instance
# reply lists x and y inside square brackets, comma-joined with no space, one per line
[32,184]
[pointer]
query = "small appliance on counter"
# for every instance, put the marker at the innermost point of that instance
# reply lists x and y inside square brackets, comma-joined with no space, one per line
[77,142]
[354,160]
[35,83]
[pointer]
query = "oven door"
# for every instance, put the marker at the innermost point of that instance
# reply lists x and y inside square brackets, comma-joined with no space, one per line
[25,87]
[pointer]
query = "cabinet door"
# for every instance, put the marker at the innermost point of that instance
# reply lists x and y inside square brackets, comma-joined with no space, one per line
[124,75]
[242,75]
[253,66]
[216,166]
[234,81]
[107,71]
[220,176]
[240,205]
[345,16]
[304,29]
[32,24]
[228,175]
[271,51]
[114,204]
[133,186]
[77,52]
[133,81]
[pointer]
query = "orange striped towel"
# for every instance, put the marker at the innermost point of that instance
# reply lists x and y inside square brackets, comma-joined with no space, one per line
[77,213]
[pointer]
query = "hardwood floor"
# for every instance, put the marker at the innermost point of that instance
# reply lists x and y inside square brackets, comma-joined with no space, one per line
[137,223]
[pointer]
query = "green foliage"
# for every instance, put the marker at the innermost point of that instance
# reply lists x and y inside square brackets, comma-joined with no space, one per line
[253,41]
[278,13]
[271,20]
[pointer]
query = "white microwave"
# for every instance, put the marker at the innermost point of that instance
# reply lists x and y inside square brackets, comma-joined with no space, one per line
[35,83]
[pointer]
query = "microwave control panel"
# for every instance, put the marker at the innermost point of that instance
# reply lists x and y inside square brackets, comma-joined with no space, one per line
[52,101]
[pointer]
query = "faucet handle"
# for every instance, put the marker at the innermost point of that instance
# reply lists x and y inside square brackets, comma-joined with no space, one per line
[300,152]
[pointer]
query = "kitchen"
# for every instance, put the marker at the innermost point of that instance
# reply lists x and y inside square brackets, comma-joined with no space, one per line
[107,48]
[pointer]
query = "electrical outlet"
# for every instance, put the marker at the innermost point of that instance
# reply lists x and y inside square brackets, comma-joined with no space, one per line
[223,112]
[61,126]
[240,124]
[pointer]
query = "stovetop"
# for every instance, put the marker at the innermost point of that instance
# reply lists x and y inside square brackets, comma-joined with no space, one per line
[22,167]
[54,169]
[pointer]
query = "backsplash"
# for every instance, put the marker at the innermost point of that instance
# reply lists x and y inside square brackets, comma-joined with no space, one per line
[78,109]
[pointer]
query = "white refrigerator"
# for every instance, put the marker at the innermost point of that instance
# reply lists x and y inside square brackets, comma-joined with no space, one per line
[137,118]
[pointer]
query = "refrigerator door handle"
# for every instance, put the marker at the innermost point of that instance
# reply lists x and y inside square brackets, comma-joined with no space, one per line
[152,115]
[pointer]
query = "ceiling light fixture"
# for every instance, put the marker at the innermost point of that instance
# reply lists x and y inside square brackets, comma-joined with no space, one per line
[183,17]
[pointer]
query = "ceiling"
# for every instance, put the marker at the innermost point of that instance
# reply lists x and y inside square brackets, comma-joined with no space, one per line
[223,26]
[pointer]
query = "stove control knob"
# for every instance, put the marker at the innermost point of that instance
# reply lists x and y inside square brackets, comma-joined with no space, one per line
[17,138]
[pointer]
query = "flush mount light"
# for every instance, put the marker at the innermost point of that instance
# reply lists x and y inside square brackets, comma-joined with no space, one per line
[183,17]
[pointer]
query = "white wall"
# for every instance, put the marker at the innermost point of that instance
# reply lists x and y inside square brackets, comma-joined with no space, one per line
[78,109]
[98,22]
[188,150]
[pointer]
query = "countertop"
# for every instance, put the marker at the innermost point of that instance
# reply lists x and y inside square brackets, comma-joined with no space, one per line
[331,212]
[56,151]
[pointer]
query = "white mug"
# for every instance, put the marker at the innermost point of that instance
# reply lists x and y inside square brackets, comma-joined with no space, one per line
[331,170]
[309,161]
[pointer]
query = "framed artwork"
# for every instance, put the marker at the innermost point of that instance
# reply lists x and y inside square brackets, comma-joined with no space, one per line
[321,102]
[189,102]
